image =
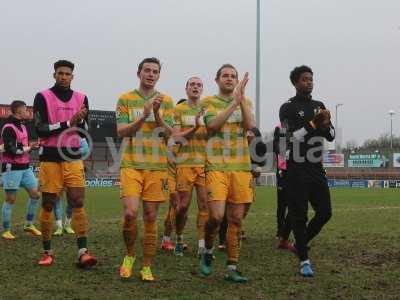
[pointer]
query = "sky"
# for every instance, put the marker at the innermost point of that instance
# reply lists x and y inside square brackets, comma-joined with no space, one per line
[352,46]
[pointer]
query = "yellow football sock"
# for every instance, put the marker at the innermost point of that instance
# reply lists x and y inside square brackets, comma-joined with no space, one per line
[46,224]
[149,242]
[233,242]
[79,221]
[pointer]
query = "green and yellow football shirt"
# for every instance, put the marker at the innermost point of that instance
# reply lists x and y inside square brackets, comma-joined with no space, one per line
[192,152]
[146,150]
[227,149]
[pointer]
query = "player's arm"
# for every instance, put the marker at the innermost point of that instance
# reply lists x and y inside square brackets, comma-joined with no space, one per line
[41,121]
[245,106]
[238,99]
[166,120]
[11,146]
[84,123]
[188,133]
[289,125]
[130,129]
[326,129]
[248,117]
[216,122]
[126,128]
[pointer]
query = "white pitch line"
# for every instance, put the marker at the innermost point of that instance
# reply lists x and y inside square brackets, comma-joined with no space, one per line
[338,210]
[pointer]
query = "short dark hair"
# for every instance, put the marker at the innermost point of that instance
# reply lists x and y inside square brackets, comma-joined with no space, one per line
[223,67]
[296,73]
[63,63]
[16,104]
[153,60]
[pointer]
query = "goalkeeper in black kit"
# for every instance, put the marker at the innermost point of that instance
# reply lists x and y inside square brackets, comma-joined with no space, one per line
[306,123]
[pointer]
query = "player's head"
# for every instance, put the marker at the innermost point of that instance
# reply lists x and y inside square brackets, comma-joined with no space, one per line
[63,70]
[226,78]
[302,79]
[194,88]
[18,109]
[149,72]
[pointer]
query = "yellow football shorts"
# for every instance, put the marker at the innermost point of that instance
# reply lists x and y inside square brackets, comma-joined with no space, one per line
[54,176]
[187,177]
[234,187]
[145,184]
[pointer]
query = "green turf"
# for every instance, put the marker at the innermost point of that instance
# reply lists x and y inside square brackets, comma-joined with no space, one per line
[357,256]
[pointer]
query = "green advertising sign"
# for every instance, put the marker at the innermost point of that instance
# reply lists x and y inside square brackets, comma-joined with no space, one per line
[374,160]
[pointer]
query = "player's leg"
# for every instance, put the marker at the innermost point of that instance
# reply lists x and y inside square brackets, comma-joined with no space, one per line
[169,222]
[243,235]
[30,183]
[222,233]
[46,225]
[74,181]
[280,208]
[68,220]
[155,191]
[320,200]
[129,233]
[185,181]
[51,185]
[240,197]
[217,193]
[298,207]
[58,214]
[170,217]
[149,240]
[286,227]
[202,214]
[131,190]
[10,198]
[216,211]
[235,215]
[33,202]
[11,182]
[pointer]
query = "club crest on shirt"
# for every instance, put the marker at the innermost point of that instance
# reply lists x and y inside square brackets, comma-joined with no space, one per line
[191,121]
[301,113]
[136,113]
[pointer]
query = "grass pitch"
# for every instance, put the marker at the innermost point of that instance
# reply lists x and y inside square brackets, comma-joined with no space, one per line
[356,256]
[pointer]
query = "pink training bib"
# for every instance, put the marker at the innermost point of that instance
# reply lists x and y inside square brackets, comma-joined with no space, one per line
[59,111]
[22,137]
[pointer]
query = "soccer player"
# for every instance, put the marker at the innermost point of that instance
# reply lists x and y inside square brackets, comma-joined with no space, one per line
[58,113]
[58,207]
[144,120]
[16,171]
[258,150]
[307,123]
[229,181]
[169,221]
[170,218]
[283,222]
[191,133]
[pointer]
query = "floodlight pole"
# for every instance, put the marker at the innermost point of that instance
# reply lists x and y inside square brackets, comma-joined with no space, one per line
[258,37]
